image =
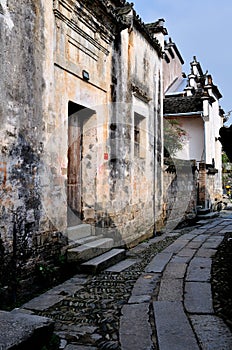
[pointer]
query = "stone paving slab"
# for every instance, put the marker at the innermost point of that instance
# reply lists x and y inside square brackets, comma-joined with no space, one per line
[194,245]
[201,238]
[173,328]
[171,290]
[206,252]
[198,297]
[138,299]
[219,234]
[199,269]
[212,332]
[67,288]
[187,252]
[159,262]
[21,329]
[146,284]
[225,230]
[174,270]
[43,302]
[188,236]
[180,259]
[213,242]
[175,247]
[135,329]
[56,294]
[229,227]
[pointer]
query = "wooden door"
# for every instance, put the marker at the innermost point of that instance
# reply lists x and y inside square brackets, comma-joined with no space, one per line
[74,183]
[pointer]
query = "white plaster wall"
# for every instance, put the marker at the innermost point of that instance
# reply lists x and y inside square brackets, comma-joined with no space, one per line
[171,71]
[216,122]
[193,146]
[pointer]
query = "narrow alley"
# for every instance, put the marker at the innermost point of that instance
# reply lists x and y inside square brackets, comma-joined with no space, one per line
[108,147]
[159,297]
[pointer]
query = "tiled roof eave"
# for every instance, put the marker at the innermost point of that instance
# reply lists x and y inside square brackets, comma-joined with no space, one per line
[140,26]
[186,114]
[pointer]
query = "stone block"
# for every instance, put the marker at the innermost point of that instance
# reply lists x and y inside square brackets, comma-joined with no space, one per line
[135,330]
[173,328]
[89,250]
[138,299]
[206,252]
[212,332]
[174,270]
[80,231]
[175,247]
[180,259]
[198,297]
[213,242]
[187,252]
[24,331]
[159,262]
[122,265]
[103,261]
[171,290]
[146,284]
[199,269]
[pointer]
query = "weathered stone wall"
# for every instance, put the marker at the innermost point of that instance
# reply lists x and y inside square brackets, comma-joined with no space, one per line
[133,161]
[64,66]
[180,194]
[118,188]
[209,194]
[23,241]
[81,43]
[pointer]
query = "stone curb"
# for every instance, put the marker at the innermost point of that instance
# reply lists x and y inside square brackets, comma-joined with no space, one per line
[182,272]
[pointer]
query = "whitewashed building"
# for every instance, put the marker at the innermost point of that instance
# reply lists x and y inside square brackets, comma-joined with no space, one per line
[193,101]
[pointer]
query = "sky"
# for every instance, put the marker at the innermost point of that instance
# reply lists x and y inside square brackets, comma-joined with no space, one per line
[201,28]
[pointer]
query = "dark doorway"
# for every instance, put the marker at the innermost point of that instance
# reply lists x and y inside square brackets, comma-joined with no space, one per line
[77,117]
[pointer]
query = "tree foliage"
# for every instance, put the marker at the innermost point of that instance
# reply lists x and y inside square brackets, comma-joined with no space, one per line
[174,137]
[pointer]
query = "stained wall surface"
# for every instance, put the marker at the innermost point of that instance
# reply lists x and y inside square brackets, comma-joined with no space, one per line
[81,128]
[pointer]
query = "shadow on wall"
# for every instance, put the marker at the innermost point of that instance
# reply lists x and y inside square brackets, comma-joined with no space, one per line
[180,197]
[23,247]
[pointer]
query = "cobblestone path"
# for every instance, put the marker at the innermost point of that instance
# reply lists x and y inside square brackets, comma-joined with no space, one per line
[122,307]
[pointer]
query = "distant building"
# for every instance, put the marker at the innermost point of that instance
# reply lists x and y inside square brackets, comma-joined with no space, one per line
[194,102]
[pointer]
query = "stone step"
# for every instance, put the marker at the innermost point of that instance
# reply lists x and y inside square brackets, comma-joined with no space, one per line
[203,211]
[89,250]
[104,261]
[83,241]
[20,330]
[122,265]
[80,231]
[208,216]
